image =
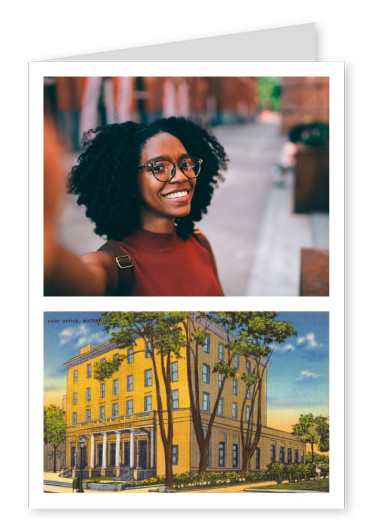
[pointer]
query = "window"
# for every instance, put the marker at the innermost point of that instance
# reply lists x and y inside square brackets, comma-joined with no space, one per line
[248,367]
[88,415]
[272,453]
[235,386]
[115,357]
[296,456]
[205,401]
[103,360]
[49,455]
[115,387]
[115,409]
[257,458]
[103,390]
[102,412]
[130,382]
[289,455]
[88,394]
[174,371]
[175,454]
[235,455]
[221,351]
[236,361]
[129,407]
[282,454]
[75,377]
[248,395]
[75,399]
[148,378]
[130,355]
[247,412]
[206,345]
[88,370]
[235,410]
[205,373]
[222,454]
[148,349]
[175,399]
[220,379]
[220,407]
[147,403]
[74,419]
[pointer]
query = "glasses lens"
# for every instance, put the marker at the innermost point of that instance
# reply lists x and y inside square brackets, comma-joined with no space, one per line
[162,169]
[191,167]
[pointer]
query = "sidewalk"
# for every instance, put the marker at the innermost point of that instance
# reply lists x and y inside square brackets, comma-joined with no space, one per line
[276,266]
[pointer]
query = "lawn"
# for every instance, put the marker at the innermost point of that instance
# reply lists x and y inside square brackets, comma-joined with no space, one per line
[319,485]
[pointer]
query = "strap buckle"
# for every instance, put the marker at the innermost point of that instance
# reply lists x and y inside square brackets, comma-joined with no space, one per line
[128,259]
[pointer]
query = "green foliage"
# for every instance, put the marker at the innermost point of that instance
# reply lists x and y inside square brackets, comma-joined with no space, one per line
[200,337]
[277,472]
[54,425]
[269,93]
[224,368]
[315,134]
[105,370]
[313,430]
[163,329]
[291,472]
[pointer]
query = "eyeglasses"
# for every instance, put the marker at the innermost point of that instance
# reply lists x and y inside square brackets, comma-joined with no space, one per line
[165,170]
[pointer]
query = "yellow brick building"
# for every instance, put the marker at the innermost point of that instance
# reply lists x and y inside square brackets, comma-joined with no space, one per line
[119,417]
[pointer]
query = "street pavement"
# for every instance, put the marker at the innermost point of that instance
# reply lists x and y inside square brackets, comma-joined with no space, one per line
[255,235]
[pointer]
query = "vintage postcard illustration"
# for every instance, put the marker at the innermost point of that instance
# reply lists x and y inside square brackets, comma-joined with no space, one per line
[138,402]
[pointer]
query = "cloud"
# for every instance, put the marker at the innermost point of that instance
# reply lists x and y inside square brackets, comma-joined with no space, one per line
[307,375]
[81,335]
[308,341]
[285,348]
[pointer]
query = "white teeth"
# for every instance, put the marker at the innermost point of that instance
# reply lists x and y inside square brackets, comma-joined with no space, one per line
[177,194]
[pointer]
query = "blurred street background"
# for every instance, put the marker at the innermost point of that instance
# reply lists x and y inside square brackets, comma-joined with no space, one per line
[268,222]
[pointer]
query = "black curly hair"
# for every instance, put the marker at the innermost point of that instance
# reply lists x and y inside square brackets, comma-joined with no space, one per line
[105,176]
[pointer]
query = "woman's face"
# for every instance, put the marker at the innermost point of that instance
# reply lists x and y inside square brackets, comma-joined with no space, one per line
[162,202]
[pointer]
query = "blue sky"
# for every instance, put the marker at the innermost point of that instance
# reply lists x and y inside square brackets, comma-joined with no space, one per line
[298,377]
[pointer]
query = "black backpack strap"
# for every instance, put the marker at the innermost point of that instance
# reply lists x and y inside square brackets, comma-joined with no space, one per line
[125,267]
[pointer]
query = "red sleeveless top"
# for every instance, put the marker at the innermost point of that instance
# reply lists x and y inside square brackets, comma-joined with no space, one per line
[166,265]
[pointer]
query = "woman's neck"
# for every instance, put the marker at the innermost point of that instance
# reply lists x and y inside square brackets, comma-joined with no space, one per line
[157,224]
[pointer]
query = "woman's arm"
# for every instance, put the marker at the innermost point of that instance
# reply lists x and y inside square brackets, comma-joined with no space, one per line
[64,272]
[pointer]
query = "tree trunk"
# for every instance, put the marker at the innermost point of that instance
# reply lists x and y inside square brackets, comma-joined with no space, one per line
[55,448]
[168,469]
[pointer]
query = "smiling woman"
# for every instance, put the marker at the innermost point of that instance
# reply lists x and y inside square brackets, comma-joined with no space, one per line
[144,187]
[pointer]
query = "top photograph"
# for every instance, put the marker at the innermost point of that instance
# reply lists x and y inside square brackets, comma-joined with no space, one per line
[186,186]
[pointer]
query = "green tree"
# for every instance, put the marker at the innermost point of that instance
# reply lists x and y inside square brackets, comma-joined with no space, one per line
[195,332]
[164,331]
[54,427]
[313,430]
[252,335]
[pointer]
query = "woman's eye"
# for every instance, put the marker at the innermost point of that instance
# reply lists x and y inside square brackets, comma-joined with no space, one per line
[159,167]
[188,164]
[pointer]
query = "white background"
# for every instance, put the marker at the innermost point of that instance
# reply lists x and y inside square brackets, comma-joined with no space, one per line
[40,30]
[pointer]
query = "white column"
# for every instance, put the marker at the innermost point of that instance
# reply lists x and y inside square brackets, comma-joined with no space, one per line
[152,447]
[132,449]
[117,451]
[92,451]
[104,453]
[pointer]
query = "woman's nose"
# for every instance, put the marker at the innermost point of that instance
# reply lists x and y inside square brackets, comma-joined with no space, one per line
[178,176]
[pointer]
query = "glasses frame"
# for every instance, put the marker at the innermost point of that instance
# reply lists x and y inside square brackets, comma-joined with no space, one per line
[150,166]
